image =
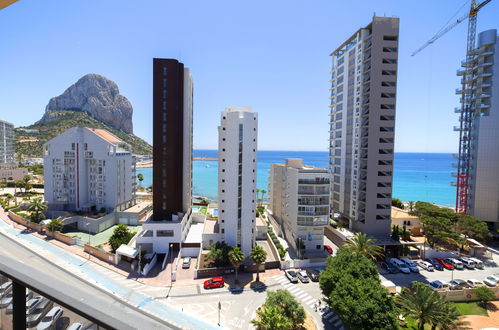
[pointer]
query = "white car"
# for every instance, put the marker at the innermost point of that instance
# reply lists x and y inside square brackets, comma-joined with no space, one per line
[291,275]
[491,280]
[425,265]
[75,326]
[412,266]
[475,283]
[50,319]
[5,288]
[186,263]
[401,266]
[303,277]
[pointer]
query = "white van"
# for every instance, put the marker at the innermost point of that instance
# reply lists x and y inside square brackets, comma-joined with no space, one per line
[467,262]
[454,262]
[478,263]
[186,263]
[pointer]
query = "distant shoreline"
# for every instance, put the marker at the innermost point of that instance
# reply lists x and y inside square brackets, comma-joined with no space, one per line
[148,163]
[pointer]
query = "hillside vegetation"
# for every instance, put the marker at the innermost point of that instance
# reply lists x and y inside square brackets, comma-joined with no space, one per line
[30,144]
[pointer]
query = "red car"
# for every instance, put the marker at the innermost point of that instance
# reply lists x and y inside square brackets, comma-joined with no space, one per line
[444,264]
[328,249]
[215,282]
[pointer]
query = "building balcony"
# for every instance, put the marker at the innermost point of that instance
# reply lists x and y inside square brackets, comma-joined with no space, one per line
[461,72]
[313,222]
[312,214]
[457,110]
[316,181]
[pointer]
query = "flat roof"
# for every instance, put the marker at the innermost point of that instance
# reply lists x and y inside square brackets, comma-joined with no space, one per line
[106,135]
[195,234]
[210,226]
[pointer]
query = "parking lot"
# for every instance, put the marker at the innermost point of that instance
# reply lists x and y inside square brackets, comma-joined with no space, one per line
[491,267]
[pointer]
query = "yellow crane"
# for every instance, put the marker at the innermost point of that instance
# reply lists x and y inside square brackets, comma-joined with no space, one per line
[467,113]
[5,3]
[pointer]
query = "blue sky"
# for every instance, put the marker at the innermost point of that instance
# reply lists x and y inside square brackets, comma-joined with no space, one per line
[271,55]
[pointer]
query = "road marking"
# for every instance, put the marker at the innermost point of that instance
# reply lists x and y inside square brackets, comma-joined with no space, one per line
[287,285]
[301,295]
[309,300]
[294,289]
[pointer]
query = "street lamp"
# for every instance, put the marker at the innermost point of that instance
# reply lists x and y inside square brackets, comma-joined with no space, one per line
[171,264]
[88,229]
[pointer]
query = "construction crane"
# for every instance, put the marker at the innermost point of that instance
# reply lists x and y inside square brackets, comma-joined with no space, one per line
[467,112]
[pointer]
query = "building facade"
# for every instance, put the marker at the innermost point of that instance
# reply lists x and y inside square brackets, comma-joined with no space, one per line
[299,202]
[237,145]
[172,158]
[6,142]
[482,71]
[88,169]
[362,126]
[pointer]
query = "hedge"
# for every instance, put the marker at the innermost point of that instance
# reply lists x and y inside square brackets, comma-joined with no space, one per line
[12,184]
[277,243]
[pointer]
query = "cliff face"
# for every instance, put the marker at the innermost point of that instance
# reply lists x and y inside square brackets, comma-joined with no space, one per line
[97,96]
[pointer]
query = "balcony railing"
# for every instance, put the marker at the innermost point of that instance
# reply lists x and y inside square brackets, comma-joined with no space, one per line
[314,181]
[313,222]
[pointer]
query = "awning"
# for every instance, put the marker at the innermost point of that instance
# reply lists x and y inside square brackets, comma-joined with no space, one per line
[127,251]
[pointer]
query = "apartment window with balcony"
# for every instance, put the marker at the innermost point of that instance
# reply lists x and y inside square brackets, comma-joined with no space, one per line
[389,61]
[390,38]
[387,95]
[388,72]
[388,83]
[389,49]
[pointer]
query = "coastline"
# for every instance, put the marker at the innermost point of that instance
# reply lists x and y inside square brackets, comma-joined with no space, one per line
[149,164]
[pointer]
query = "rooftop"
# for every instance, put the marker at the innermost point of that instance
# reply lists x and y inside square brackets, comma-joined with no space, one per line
[210,227]
[106,135]
[401,214]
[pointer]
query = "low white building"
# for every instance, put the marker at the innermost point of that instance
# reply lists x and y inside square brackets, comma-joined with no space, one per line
[87,168]
[299,202]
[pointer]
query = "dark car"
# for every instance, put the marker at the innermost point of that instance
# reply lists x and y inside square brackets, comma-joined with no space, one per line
[389,267]
[313,275]
[435,264]
[38,312]
[458,284]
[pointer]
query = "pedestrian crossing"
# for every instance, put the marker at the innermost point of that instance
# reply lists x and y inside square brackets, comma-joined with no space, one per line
[328,316]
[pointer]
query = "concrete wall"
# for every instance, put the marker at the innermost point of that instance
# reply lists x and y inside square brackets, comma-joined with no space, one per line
[103,255]
[189,252]
[463,295]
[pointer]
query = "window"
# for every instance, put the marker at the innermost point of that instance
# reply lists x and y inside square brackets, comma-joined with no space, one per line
[223,139]
[223,230]
[223,170]
[164,233]
[389,61]
[391,38]
[223,159]
[389,49]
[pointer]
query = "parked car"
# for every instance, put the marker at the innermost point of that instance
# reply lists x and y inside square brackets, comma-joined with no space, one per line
[313,275]
[491,280]
[458,284]
[328,249]
[38,312]
[291,275]
[444,263]
[436,265]
[475,283]
[439,285]
[186,263]
[302,276]
[412,266]
[30,305]
[7,299]
[456,263]
[478,263]
[215,282]
[50,319]
[389,267]
[75,326]
[467,262]
[425,265]
[401,266]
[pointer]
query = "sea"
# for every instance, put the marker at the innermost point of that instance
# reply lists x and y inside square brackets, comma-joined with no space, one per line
[417,176]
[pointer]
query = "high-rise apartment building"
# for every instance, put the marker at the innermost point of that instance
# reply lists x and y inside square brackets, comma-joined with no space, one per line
[481,131]
[362,126]
[299,202]
[87,168]
[237,145]
[172,139]
[6,142]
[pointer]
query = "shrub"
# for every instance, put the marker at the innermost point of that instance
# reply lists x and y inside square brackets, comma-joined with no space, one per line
[484,294]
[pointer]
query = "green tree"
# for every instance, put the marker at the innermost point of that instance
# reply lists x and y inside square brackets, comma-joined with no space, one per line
[364,245]
[271,318]
[440,231]
[55,225]
[427,306]
[236,258]
[263,191]
[37,207]
[121,235]
[395,233]
[397,203]
[219,254]
[140,177]
[411,206]
[8,198]
[470,226]
[290,307]
[258,255]
[353,289]
[484,294]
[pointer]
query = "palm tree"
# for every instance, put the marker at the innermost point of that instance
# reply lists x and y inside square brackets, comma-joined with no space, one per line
[258,255]
[140,177]
[55,225]
[37,207]
[427,306]
[271,318]
[364,245]
[8,197]
[236,257]
[263,191]
[411,205]
[257,195]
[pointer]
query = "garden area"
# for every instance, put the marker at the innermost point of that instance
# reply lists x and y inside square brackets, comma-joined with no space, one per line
[101,239]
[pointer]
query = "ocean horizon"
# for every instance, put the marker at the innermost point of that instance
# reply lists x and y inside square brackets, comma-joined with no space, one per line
[417,176]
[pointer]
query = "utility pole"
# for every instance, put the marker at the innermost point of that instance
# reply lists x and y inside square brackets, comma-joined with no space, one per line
[219,309]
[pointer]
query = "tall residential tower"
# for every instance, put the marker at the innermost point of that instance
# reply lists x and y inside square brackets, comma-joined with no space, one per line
[362,126]
[6,142]
[480,74]
[237,145]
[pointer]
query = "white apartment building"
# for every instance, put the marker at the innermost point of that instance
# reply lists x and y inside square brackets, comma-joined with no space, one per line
[237,147]
[86,168]
[482,75]
[362,126]
[299,202]
[6,142]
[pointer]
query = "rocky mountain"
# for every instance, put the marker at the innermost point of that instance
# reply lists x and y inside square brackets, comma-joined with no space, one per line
[96,96]
[29,139]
